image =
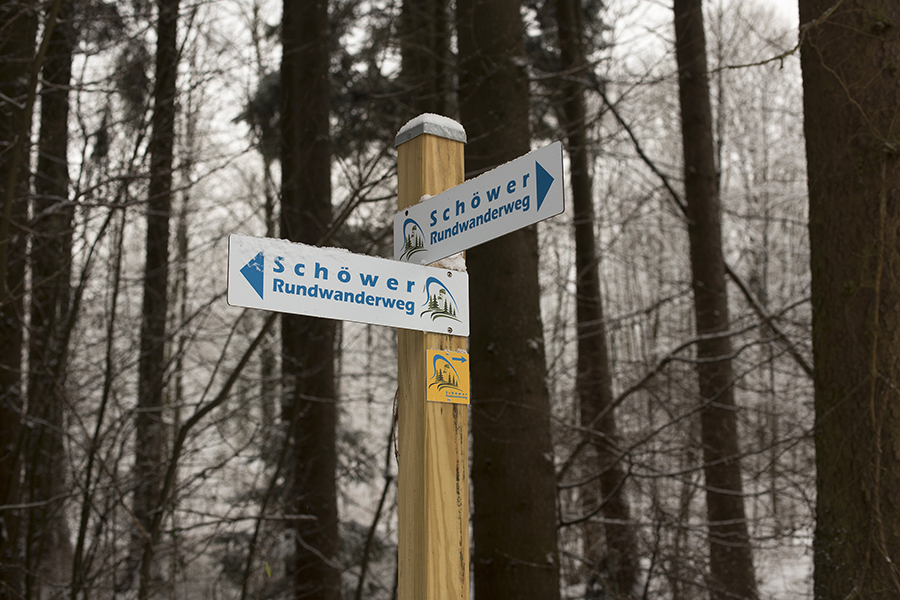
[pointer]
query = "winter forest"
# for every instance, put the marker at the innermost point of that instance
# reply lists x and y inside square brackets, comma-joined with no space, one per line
[685,387]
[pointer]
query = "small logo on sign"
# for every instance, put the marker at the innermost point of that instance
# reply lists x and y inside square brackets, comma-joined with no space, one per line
[253,273]
[413,239]
[445,375]
[440,303]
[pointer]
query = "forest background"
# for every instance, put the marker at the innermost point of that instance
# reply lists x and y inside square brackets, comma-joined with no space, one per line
[157,442]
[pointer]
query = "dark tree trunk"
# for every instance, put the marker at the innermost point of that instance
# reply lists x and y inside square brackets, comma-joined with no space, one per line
[851,85]
[48,548]
[515,543]
[731,563]
[594,379]
[151,435]
[18,21]
[307,343]
[425,56]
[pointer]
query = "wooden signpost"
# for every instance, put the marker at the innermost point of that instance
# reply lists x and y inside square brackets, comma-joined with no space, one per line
[429,306]
[451,217]
[433,477]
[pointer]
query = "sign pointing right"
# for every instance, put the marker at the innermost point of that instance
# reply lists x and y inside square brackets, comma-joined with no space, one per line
[544,181]
[512,196]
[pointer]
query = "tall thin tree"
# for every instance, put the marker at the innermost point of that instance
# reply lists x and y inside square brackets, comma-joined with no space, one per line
[307,343]
[18,28]
[514,522]
[48,547]
[593,382]
[730,559]
[150,426]
[850,57]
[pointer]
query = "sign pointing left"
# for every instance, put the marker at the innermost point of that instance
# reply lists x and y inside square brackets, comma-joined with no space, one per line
[335,284]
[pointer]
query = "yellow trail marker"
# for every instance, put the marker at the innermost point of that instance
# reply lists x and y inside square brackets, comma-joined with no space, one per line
[447,376]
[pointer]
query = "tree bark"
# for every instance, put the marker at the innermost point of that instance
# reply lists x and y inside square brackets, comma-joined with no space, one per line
[730,559]
[48,547]
[849,56]
[593,382]
[425,56]
[18,24]
[150,434]
[514,523]
[308,343]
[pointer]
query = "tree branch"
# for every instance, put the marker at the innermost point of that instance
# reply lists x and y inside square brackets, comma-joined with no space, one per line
[752,300]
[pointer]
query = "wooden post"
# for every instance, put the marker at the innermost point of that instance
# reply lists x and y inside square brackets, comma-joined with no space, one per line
[433,480]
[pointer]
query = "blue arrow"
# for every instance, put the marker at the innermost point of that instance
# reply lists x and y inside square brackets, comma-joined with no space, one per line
[253,273]
[544,181]
[460,358]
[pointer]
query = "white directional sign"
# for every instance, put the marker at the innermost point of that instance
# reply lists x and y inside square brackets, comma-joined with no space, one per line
[335,284]
[521,192]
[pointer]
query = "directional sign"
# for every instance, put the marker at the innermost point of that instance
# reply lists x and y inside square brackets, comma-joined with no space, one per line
[447,374]
[335,284]
[521,192]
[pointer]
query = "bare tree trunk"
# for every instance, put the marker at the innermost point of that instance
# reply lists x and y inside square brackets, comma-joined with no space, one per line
[18,27]
[851,94]
[593,383]
[150,435]
[731,563]
[515,539]
[307,343]
[48,547]
[425,56]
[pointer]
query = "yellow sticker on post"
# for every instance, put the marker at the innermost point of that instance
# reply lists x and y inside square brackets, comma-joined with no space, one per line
[447,375]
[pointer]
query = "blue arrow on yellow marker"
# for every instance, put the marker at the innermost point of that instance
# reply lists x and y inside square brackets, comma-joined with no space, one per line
[544,181]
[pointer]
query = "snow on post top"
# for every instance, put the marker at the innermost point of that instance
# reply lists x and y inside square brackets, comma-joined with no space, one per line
[454,262]
[435,125]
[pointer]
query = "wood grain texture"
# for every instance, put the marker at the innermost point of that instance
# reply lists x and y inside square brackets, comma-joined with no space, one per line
[433,437]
